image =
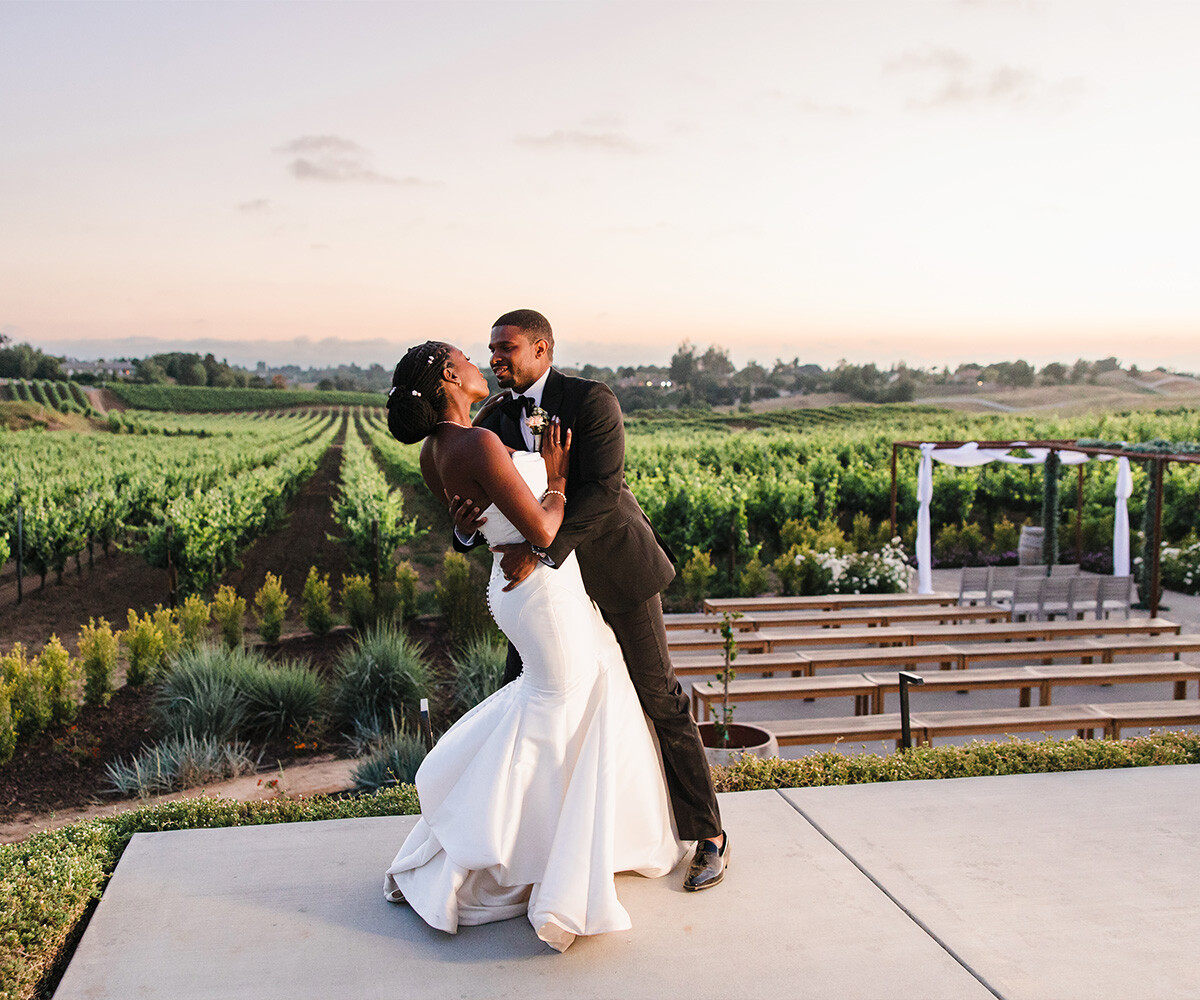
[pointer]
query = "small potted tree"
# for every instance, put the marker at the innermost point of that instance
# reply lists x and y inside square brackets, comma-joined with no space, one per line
[726,741]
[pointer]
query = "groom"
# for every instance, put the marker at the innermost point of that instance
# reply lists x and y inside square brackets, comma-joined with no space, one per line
[624,564]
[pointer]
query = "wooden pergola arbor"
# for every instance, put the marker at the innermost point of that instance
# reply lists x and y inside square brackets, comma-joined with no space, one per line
[1157,460]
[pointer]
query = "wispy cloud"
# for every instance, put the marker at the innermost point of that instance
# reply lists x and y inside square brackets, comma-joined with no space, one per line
[777,98]
[255,206]
[607,141]
[333,158]
[950,78]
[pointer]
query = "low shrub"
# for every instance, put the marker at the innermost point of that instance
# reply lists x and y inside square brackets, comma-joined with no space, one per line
[383,673]
[975,759]
[316,605]
[406,590]
[461,595]
[270,608]
[8,731]
[193,616]
[752,579]
[167,621]
[479,671]
[178,762]
[144,646]
[98,659]
[229,610]
[26,682]
[358,602]
[61,675]
[696,575]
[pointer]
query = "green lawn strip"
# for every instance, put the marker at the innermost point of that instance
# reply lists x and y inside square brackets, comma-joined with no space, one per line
[49,883]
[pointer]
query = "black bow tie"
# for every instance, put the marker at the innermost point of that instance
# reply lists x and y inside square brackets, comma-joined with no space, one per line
[516,407]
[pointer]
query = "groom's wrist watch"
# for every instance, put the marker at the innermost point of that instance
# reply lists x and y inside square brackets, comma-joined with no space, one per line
[541,554]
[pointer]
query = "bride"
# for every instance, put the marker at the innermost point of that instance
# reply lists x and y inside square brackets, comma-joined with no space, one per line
[537,796]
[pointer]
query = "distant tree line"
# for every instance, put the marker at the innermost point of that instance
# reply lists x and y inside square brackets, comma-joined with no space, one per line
[693,378]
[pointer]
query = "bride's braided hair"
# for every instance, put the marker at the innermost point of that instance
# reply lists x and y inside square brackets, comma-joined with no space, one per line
[416,398]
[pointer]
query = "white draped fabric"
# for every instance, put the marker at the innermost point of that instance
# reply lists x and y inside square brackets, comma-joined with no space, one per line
[1121,518]
[969,455]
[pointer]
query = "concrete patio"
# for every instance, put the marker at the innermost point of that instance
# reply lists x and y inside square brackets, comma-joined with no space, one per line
[1034,886]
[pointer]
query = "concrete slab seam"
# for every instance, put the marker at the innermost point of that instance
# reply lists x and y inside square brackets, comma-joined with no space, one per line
[903,909]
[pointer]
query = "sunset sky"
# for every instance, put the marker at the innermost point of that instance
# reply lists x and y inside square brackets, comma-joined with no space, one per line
[876,181]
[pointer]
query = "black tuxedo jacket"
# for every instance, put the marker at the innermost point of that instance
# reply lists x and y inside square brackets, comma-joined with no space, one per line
[621,557]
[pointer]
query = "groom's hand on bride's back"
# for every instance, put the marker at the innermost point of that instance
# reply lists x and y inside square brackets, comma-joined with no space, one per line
[517,561]
[465,514]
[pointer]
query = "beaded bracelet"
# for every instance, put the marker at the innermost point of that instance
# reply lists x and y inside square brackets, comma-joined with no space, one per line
[556,493]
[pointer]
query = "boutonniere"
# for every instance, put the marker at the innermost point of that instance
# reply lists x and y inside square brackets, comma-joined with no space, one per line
[537,422]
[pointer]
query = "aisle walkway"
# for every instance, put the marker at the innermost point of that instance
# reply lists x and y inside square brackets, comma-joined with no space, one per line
[1036,886]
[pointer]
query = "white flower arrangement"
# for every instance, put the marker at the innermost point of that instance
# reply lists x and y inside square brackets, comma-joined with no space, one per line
[885,571]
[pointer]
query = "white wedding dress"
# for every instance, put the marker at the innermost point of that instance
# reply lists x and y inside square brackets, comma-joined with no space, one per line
[538,795]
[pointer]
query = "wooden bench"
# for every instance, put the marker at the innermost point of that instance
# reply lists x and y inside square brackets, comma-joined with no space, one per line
[832,730]
[1020,678]
[710,663]
[1045,651]
[824,602]
[895,656]
[1148,645]
[1145,713]
[1084,719]
[696,642]
[1069,629]
[874,617]
[1007,632]
[1060,675]
[781,688]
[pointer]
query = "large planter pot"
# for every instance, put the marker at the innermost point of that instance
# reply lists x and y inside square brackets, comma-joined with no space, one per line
[1029,548]
[743,741]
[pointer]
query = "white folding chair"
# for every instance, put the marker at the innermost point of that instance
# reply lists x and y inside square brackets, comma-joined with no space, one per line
[1116,594]
[973,585]
[1026,597]
[1000,584]
[1054,597]
[1085,595]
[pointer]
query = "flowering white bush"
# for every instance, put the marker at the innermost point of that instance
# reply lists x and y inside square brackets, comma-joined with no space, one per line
[882,572]
[1181,568]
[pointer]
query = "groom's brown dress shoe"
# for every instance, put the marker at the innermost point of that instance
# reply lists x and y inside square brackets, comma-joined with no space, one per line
[708,866]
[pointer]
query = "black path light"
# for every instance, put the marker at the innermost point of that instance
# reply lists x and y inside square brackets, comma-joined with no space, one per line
[906,679]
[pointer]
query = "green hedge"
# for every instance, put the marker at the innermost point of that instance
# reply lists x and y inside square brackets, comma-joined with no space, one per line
[48,883]
[206,399]
[975,760]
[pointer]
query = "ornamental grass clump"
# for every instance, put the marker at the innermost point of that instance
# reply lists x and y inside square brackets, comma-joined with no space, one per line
[229,610]
[144,647]
[270,608]
[204,693]
[282,699]
[316,604]
[394,762]
[178,762]
[98,650]
[383,673]
[478,671]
